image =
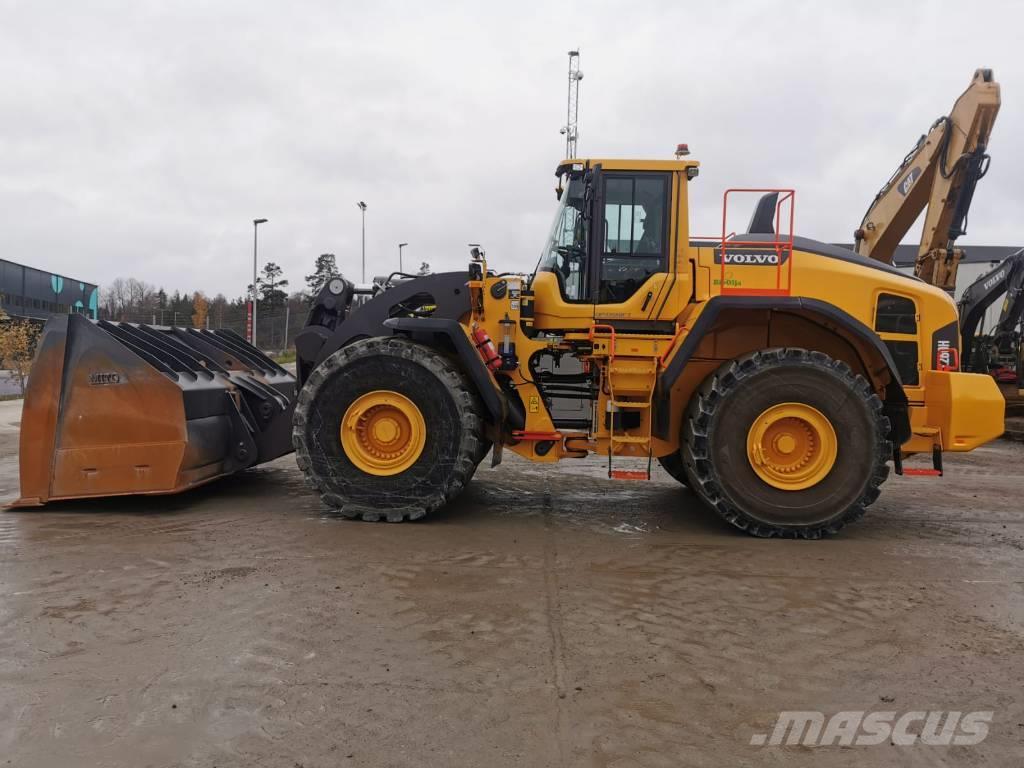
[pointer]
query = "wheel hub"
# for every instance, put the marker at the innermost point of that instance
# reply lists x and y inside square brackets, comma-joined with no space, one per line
[792,446]
[383,433]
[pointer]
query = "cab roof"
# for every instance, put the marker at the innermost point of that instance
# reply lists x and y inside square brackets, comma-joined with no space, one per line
[618,164]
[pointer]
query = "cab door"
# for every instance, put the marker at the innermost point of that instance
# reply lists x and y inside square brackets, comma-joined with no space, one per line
[631,244]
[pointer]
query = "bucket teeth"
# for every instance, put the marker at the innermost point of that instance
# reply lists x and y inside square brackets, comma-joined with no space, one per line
[121,408]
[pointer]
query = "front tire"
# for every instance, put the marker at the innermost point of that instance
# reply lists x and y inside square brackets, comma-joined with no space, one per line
[386,429]
[786,442]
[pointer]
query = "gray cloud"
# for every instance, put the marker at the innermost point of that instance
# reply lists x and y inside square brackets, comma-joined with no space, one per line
[141,138]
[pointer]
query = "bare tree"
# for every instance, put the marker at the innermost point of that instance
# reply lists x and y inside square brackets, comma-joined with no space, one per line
[129,299]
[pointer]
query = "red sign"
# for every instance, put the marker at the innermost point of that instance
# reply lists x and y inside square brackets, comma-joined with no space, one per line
[248,322]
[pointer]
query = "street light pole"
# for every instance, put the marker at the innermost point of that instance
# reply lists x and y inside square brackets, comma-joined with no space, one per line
[255,229]
[400,247]
[362,207]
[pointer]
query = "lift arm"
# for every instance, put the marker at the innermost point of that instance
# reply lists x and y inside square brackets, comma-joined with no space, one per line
[1007,277]
[939,175]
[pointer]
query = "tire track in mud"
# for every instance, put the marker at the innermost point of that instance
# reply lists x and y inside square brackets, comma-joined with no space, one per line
[282,635]
[553,613]
[799,643]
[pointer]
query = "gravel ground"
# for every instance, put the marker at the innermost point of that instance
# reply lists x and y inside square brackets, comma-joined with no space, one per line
[550,617]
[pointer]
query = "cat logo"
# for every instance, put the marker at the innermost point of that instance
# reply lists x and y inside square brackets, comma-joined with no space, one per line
[908,181]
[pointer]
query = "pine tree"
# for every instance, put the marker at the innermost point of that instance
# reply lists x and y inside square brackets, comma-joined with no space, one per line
[325,268]
[271,284]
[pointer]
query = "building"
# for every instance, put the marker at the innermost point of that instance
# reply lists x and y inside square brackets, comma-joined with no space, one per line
[35,294]
[977,260]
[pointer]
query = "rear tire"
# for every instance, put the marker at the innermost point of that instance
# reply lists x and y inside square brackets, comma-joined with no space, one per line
[445,414]
[726,465]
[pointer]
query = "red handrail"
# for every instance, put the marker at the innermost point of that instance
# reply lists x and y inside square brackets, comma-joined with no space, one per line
[782,247]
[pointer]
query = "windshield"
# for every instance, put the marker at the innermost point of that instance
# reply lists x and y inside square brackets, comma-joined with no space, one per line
[565,250]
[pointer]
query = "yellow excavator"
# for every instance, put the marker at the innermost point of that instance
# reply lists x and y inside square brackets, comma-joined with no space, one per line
[938,176]
[774,375]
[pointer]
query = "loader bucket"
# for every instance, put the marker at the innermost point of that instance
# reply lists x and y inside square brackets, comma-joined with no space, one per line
[117,408]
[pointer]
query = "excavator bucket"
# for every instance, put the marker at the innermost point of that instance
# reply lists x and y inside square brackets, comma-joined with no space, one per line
[117,408]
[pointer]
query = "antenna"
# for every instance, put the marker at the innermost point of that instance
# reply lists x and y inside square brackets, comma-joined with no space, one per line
[572,108]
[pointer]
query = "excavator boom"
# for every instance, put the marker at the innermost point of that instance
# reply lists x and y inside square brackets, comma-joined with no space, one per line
[938,175]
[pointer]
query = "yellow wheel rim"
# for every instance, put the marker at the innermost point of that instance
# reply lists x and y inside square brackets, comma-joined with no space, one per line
[792,446]
[383,433]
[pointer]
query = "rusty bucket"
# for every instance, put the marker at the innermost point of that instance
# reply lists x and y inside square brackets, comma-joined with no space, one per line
[118,408]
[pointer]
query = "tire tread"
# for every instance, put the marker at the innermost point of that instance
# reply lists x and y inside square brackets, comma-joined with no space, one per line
[734,374]
[467,404]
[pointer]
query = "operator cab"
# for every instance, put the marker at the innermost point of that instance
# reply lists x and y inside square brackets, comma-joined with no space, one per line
[612,247]
[634,213]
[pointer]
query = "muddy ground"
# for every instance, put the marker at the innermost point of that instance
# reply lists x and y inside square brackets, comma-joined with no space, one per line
[550,617]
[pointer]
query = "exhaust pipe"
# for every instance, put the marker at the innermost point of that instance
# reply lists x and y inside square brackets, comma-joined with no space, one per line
[117,408]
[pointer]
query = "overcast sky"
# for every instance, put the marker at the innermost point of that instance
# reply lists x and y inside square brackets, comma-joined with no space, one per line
[140,139]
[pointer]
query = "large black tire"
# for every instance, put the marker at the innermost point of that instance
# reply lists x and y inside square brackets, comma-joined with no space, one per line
[725,407]
[450,410]
[485,448]
[673,464]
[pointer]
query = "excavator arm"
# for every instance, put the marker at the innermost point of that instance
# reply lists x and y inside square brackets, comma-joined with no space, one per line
[1007,277]
[938,175]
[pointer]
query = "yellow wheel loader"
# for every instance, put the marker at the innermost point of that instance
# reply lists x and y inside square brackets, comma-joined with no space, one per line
[773,375]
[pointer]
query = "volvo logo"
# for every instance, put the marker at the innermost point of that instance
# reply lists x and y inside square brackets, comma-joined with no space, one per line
[760,258]
[994,279]
[102,378]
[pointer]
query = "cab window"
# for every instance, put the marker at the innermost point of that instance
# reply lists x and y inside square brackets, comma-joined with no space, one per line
[565,253]
[635,233]
[895,314]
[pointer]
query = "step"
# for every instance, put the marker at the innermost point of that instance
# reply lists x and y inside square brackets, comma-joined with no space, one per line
[629,439]
[630,404]
[637,370]
[628,474]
